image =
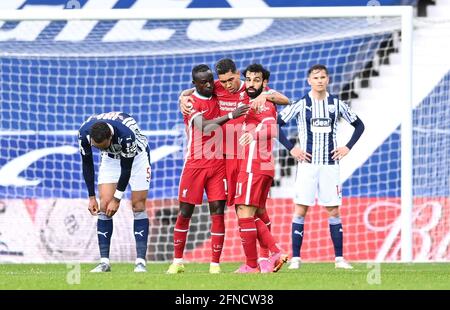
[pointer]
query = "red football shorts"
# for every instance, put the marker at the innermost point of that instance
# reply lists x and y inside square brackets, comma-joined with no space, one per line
[252,189]
[232,166]
[196,180]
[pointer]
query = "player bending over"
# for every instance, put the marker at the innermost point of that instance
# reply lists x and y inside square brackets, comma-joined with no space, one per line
[125,158]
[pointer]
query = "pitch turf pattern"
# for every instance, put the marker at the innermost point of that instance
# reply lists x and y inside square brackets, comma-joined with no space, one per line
[309,276]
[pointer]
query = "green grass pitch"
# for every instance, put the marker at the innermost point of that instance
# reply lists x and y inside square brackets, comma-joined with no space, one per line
[313,276]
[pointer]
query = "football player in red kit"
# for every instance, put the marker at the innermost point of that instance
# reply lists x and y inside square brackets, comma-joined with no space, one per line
[231,91]
[256,175]
[204,168]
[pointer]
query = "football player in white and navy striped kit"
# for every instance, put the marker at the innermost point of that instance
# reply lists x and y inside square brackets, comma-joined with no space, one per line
[317,115]
[125,160]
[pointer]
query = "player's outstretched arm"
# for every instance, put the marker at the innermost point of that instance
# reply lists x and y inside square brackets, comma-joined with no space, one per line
[185,100]
[209,125]
[277,98]
[270,95]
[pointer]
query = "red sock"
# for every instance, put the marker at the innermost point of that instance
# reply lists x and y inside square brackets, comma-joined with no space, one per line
[247,231]
[262,243]
[264,250]
[179,235]
[217,236]
[266,237]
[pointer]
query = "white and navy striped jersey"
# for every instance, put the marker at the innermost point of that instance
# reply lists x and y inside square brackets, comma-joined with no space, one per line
[127,141]
[317,122]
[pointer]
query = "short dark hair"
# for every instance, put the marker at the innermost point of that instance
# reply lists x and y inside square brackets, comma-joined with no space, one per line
[225,65]
[317,67]
[257,68]
[199,68]
[100,132]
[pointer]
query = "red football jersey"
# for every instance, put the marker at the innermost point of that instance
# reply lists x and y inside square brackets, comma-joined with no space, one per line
[258,157]
[204,149]
[228,102]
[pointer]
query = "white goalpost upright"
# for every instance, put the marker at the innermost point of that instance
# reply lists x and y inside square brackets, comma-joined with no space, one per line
[407,138]
[138,61]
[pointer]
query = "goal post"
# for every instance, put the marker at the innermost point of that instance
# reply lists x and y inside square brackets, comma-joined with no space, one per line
[50,83]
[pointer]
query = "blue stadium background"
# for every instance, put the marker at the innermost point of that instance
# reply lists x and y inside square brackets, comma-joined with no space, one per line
[47,94]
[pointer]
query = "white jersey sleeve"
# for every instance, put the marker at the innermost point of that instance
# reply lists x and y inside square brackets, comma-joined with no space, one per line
[346,112]
[292,110]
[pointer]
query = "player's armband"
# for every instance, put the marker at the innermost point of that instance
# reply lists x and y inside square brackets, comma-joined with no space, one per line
[129,150]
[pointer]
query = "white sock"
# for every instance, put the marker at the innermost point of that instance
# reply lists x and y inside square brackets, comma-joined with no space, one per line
[140,261]
[104,260]
[262,258]
[177,260]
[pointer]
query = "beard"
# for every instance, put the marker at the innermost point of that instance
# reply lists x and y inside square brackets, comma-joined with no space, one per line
[253,93]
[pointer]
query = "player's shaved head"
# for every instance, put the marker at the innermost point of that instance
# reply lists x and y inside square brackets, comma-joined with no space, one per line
[100,132]
[203,79]
[199,68]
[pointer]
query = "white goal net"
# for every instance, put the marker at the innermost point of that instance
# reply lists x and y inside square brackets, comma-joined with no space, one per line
[53,76]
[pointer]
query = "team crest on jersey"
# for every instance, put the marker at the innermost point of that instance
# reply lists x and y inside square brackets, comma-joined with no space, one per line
[241,96]
[264,108]
[331,108]
[115,148]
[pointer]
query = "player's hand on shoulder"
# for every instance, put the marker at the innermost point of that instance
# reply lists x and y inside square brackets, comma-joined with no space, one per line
[258,103]
[186,104]
[245,139]
[93,205]
[112,207]
[241,110]
[300,155]
[340,152]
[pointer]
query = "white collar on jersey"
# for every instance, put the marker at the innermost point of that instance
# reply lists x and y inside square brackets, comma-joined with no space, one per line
[112,129]
[310,95]
[242,85]
[197,94]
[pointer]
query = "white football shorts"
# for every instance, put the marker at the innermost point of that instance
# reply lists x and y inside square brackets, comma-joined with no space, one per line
[321,181]
[109,171]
